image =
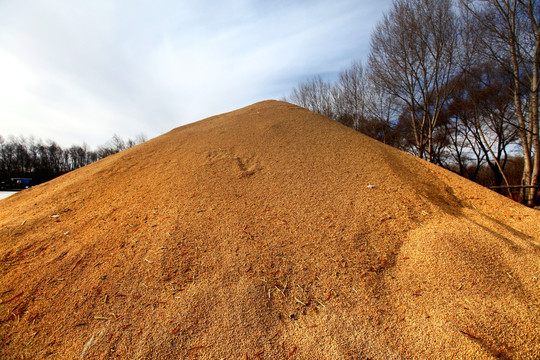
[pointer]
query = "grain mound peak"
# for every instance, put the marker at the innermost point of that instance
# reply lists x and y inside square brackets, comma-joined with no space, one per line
[269,232]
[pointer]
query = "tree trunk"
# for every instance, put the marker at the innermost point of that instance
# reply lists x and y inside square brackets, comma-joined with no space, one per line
[534,109]
[523,133]
[534,179]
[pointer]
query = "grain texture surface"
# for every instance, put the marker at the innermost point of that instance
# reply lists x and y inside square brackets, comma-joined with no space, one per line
[267,233]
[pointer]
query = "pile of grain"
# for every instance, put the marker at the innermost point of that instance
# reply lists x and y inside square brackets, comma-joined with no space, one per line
[267,233]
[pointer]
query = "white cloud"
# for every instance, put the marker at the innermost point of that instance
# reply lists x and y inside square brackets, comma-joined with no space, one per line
[80,71]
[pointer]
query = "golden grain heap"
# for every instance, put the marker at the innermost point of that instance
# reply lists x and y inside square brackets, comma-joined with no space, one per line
[267,233]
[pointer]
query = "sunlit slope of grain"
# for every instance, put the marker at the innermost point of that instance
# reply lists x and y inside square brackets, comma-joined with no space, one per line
[267,232]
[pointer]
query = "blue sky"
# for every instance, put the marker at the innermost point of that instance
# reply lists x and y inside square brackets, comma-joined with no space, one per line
[79,71]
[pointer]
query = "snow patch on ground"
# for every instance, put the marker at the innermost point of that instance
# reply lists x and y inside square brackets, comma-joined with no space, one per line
[5,194]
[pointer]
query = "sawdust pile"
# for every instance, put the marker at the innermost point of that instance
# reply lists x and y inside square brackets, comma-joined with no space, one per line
[267,233]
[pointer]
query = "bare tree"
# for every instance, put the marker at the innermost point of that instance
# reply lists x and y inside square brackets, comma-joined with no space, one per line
[511,35]
[22,157]
[412,59]
[384,110]
[350,95]
[316,95]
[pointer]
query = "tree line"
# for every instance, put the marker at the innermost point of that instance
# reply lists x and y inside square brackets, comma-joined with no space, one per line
[452,82]
[41,161]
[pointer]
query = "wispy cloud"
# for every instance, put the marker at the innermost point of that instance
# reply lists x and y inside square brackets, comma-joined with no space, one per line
[80,71]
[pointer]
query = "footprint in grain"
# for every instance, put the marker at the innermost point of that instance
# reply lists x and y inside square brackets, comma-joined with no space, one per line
[245,166]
